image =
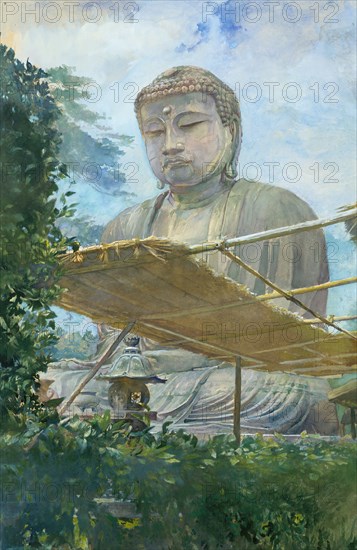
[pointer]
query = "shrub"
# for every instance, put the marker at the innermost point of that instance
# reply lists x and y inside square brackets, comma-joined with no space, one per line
[270,494]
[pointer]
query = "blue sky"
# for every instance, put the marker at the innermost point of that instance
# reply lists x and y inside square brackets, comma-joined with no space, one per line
[306,57]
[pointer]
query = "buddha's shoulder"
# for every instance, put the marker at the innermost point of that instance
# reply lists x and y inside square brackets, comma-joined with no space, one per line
[129,222]
[136,210]
[266,196]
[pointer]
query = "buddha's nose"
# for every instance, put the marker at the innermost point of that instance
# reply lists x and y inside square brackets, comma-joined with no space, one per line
[172,146]
[173,150]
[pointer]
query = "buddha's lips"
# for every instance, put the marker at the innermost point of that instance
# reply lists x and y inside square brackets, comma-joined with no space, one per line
[175,161]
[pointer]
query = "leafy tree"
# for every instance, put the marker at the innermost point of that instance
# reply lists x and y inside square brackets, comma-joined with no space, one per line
[93,153]
[74,344]
[91,149]
[30,241]
[350,225]
[84,228]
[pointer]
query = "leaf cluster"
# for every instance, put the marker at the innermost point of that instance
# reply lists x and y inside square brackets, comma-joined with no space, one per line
[267,493]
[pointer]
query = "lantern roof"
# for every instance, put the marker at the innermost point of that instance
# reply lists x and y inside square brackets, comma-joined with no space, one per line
[132,364]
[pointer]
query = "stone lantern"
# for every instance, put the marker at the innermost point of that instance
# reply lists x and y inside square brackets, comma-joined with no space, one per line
[128,393]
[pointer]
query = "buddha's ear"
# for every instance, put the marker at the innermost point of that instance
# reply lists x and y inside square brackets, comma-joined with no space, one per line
[233,130]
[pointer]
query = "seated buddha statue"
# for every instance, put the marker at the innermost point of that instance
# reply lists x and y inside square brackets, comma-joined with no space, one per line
[191,125]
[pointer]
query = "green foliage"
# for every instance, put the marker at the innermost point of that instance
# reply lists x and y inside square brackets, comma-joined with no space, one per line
[30,241]
[350,225]
[83,228]
[269,494]
[74,344]
[91,149]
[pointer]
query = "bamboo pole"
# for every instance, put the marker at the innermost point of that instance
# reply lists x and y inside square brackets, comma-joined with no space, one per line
[273,233]
[215,347]
[262,297]
[341,318]
[237,399]
[211,245]
[306,289]
[95,369]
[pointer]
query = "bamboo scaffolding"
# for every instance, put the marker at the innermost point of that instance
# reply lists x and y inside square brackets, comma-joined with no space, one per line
[82,296]
[263,297]
[284,293]
[273,233]
[194,340]
[213,245]
[223,246]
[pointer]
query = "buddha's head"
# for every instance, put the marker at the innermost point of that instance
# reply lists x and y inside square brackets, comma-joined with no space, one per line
[191,124]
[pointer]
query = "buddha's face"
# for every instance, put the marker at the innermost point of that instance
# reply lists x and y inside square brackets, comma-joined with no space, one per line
[185,139]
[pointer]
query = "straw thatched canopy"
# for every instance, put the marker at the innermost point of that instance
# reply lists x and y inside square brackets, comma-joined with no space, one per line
[177,300]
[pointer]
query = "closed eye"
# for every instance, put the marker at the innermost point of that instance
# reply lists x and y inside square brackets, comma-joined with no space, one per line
[154,133]
[189,124]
